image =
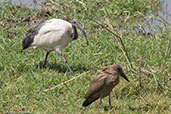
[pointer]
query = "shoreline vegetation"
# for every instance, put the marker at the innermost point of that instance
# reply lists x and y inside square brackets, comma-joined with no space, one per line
[23,82]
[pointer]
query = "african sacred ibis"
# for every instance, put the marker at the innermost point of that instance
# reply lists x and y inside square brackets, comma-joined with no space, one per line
[53,34]
[102,85]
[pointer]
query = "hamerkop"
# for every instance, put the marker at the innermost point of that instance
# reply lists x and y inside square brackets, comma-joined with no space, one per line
[102,85]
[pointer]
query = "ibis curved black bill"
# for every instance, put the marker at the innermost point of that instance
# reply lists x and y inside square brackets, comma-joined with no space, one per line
[84,33]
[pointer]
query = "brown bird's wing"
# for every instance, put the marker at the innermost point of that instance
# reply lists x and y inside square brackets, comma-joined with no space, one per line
[96,84]
[102,70]
[94,90]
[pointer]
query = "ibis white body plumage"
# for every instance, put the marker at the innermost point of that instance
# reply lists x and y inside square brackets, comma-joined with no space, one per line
[53,34]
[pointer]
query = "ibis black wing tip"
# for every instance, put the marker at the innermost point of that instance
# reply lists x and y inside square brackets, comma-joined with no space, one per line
[27,41]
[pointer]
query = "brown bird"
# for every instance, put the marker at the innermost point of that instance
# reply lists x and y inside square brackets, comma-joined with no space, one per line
[102,85]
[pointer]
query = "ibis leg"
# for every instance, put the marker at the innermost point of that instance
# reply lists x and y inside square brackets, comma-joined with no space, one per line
[110,102]
[65,61]
[45,59]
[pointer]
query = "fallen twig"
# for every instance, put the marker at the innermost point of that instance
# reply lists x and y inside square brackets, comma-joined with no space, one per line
[146,71]
[120,39]
[123,50]
[151,69]
[66,81]
[139,72]
[125,86]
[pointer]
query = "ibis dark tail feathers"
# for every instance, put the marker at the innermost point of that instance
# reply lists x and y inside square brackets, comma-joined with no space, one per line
[28,41]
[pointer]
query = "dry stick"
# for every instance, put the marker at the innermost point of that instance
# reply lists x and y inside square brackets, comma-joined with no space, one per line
[146,71]
[66,81]
[123,50]
[125,86]
[127,58]
[166,53]
[139,72]
[151,69]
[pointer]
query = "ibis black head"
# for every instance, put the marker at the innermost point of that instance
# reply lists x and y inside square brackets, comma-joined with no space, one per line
[76,23]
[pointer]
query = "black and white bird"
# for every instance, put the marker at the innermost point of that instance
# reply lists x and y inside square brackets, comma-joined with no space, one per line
[53,35]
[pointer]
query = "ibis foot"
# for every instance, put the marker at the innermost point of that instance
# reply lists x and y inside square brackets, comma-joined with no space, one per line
[42,66]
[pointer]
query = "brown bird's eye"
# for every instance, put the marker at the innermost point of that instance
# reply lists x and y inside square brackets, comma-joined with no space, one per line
[119,69]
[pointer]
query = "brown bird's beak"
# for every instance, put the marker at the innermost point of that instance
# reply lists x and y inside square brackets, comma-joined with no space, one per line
[123,75]
[82,30]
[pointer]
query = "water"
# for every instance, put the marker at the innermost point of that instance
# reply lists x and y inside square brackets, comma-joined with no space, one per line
[28,3]
[160,19]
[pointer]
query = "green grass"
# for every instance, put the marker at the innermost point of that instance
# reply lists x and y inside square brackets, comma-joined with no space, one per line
[22,81]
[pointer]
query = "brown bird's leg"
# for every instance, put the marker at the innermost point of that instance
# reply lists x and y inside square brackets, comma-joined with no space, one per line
[45,59]
[65,61]
[101,102]
[110,102]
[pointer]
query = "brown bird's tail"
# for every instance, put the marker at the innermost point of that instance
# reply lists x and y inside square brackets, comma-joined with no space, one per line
[88,102]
